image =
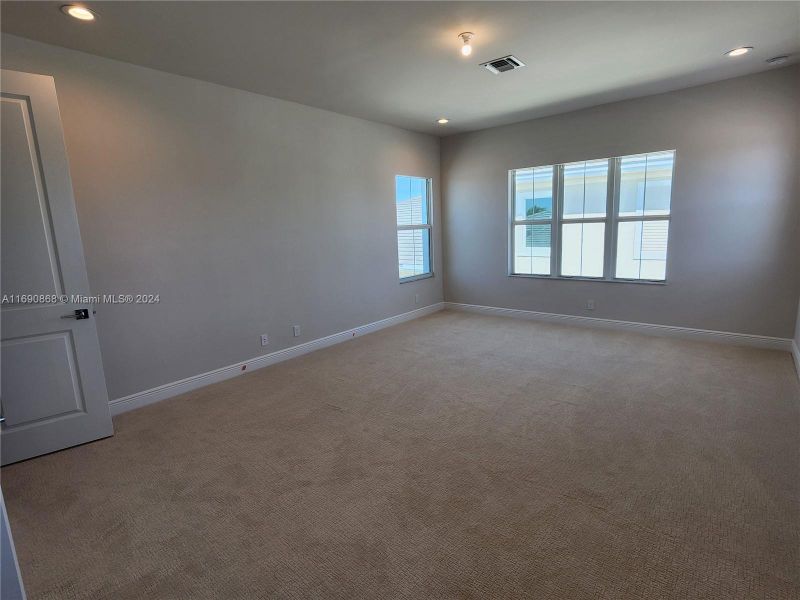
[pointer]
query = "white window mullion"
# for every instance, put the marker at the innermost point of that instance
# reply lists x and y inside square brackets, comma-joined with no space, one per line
[555,229]
[644,218]
[405,227]
[611,227]
[510,232]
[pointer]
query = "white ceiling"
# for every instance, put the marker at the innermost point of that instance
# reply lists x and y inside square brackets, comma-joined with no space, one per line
[399,62]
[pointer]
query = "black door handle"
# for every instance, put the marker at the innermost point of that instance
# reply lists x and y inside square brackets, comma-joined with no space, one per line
[80,313]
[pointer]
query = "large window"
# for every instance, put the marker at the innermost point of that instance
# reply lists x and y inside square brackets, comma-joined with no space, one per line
[412,199]
[602,219]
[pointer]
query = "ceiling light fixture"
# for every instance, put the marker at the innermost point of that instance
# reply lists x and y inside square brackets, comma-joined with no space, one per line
[741,50]
[443,121]
[466,37]
[777,60]
[79,12]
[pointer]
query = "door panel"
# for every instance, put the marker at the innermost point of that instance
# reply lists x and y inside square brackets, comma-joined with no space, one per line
[29,261]
[51,374]
[51,387]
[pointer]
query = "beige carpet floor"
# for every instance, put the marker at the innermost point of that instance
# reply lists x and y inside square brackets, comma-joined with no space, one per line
[455,456]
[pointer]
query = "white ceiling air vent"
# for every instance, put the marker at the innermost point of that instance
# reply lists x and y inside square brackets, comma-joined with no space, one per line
[501,65]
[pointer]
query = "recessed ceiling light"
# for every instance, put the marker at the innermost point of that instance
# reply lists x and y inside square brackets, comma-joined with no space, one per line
[466,37]
[739,51]
[777,60]
[79,12]
[443,121]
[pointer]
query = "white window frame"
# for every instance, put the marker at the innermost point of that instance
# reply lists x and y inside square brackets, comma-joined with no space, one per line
[611,220]
[428,226]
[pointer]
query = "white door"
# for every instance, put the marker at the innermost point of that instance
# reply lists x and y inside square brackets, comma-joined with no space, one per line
[51,375]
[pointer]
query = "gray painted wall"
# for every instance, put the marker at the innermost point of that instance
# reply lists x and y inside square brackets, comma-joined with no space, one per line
[734,254]
[246,214]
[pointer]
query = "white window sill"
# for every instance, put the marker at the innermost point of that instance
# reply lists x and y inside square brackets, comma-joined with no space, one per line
[416,278]
[595,279]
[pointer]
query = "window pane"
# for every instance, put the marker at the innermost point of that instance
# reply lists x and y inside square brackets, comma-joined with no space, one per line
[533,194]
[413,251]
[523,193]
[411,195]
[585,189]
[645,184]
[532,249]
[642,250]
[631,185]
[403,199]
[658,188]
[573,191]
[582,249]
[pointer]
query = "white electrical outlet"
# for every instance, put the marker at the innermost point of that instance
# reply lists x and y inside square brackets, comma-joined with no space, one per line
[264,340]
[296,330]
[590,305]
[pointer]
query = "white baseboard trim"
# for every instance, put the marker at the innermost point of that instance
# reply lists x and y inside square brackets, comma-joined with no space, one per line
[175,388]
[740,339]
[796,355]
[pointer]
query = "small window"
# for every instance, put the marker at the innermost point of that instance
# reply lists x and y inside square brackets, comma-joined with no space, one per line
[645,193]
[533,218]
[583,218]
[595,219]
[412,200]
